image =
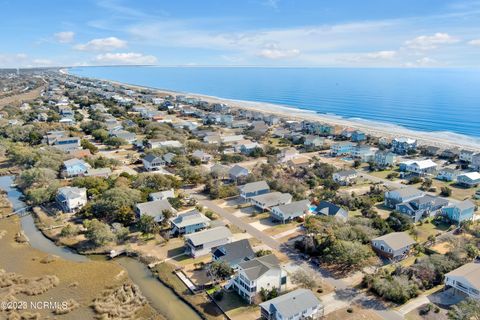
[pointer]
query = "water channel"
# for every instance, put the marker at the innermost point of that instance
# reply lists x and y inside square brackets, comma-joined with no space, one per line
[160,297]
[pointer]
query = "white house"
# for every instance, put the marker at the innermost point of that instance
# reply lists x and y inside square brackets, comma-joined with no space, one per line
[152,162]
[345,177]
[465,280]
[203,156]
[162,195]
[201,243]
[271,199]
[71,199]
[421,167]
[295,305]
[395,245]
[154,209]
[253,275]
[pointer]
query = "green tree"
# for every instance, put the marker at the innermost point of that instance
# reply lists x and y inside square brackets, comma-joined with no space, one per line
[219,270]
[468,309]
[98,232]
[89,146]
[147,225]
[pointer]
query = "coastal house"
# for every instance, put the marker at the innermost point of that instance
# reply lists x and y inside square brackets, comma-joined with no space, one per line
[466,155]
[203,156]
[290,211]
[271,199]
[459,212]
[162,195]
[332,210]
[465,280]
[403,145]
[469,179]
[450,154]
[253,189]
[295,305]
[419,167]
[260,273]
[238,172]
[247,147]
[189,222]
[234,253]
[66,144]
[385,159]
[341,148]
[345,177]
[201,243]
[75,167]
[358,136]
[475,162]
[313,142]
[423,206]
[447,174]
[394,197]
[154,209]
[152,162]
[71,199]
[395,245]
[300,162]
[364,153]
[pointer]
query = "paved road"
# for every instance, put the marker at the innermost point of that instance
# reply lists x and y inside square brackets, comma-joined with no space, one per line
[343,295]
[266,239]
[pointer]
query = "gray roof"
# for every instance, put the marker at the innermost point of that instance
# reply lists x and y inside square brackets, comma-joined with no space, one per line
[465,205]
[292,303]
[254,186]
[273,198]
[234,252]
[407,192]
[470,272]
[71,192]
[189,218]
[155,208]
[330,209]
[150,157]
[237,170]
[294,207]
[257,267]
[208,235]
[396,240]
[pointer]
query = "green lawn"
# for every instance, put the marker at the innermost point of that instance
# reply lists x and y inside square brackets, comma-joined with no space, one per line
[428,228]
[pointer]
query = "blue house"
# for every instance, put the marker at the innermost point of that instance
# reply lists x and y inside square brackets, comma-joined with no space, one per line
[342,148]
[460,212]
[253,189]
[358,136]
[189,222]
[75,167]
[403,145]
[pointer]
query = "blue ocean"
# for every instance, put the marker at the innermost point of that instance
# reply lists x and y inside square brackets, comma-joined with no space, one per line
[440,100]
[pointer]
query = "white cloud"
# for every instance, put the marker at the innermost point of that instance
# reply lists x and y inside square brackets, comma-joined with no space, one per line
[274,52]
[430,42]
[64,36]
[382,55]
[22,60]
[132,58]
[271,3]
[475,42]
[102,44]
[422,62]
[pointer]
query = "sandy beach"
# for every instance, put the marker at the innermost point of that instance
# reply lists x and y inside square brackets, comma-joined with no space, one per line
[441,139]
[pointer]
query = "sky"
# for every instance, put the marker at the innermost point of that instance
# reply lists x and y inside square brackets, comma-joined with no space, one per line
[290,33]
